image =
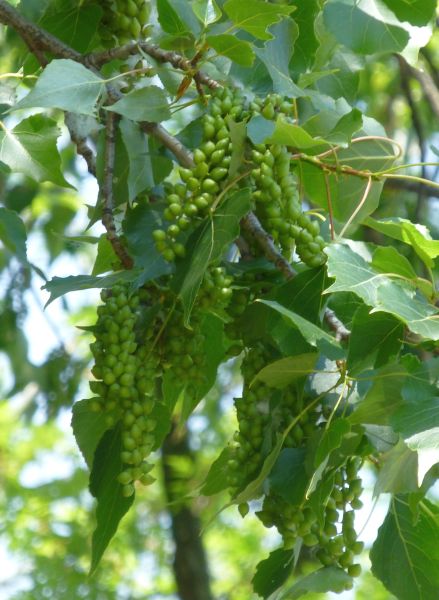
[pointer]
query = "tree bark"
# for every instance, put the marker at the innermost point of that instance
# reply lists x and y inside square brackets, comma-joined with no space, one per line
[190,562]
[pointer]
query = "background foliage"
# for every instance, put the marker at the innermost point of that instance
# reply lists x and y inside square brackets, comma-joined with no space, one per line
[350,70]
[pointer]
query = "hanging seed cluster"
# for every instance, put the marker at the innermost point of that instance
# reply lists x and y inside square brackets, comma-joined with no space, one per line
[274,189]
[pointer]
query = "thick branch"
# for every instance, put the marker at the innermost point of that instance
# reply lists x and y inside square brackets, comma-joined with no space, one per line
[107,192]
[190,563]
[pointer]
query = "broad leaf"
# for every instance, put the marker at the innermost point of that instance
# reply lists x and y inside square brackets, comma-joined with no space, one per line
[288,134]
[276,55]
[255,16]
[314,335]
[288,477]
[331,439]
[169,19]
[284,371]
[237,50]
[58,286]
[272,572]
[360,31]
[353,273]
[374,341]
[207,11]
[144,104]
[141,175]
[67,85]
[327,579]
[426,444]
[399,471]
[416,12]
[111,504]
[405,555]
[30,148]
[207,244]
[414,234]
[13,233]
[138,226]
[217,479]
[88,428]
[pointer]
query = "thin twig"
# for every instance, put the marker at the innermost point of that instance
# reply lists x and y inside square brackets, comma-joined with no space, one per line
[107,192]
[163,56]
[330,210]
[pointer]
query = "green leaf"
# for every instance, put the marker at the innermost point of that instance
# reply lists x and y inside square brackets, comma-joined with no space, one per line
[138,226]
[284,371]
[207,244]
[383,398]
[76,27]
[144,104]
[276,55]
[414,234]
[30,148]
[331,439]
[141,175]
[254,488]
[217,479]
[374,341]
[255,16]
[88,428]
[352,273]
[387,259]
[288,477]
[360,31]
[111,504]
[273,571]
[214,351]
[237,50]
[58,286]
[306,44]
[426,444]
[398,472]
[405,555]
[327,579]
[314,335]
[259,129]
[288,134]
[416,12]
[207,11]
[105,258]
[13,233]
[67,85]
[169,19]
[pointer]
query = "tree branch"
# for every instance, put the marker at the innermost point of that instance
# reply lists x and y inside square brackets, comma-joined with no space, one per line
[415,188]
[107,192]
[428,86]
[163,56]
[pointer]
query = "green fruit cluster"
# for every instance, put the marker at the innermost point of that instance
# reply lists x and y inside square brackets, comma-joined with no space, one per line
[192,198]
[123,20]
[275,194]
[278,206]
[253,414]
[215,292]
[332,539]
[124,382]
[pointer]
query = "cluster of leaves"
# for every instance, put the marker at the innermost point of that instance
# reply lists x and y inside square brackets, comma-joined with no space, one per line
[360,334]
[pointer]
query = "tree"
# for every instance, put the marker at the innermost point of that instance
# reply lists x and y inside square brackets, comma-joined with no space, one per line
[251,217]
